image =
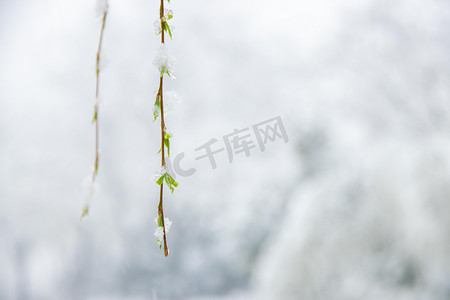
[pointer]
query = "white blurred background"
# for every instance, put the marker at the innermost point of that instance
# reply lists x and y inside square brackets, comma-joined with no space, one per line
[356,205]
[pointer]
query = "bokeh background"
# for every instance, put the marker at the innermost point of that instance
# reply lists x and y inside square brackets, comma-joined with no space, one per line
[356,205]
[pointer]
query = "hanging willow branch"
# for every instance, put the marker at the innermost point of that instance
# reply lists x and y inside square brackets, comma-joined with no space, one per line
[163,64]
[85,209]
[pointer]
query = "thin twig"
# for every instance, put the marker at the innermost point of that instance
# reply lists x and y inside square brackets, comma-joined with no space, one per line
[163,128]
[96,106]
[97,85]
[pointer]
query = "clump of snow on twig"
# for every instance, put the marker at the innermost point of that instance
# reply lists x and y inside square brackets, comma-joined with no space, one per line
[164,61]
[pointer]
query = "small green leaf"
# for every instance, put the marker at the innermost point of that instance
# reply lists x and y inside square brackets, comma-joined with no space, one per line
[160,179]
[170,182]
[156,109]
[95,117]
[167,143]
[169,16]
[84,211]
[163,70]
[160,221]
[167,29]
[167,136]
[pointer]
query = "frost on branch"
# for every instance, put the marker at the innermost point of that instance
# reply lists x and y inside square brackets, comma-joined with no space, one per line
[159,231]
[163,175]
[157,26]
[164,61]
[171,99]
[159,173]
